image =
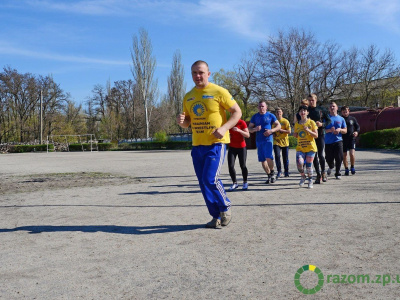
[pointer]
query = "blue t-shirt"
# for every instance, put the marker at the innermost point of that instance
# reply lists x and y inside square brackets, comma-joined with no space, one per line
[266,120]
[336,122]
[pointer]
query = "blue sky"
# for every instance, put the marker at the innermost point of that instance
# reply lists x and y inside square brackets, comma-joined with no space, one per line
[82,43]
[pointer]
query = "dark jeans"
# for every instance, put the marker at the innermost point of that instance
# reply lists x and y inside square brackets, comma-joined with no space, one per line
[319,159]
[242,154]
[285,158]
[334,156]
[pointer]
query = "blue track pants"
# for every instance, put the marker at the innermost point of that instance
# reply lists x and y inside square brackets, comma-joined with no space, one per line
[207,162]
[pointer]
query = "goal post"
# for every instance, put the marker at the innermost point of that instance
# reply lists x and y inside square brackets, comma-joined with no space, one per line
[61,143]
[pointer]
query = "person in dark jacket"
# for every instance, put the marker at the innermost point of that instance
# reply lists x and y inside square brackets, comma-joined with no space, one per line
[349,140]
[321,118]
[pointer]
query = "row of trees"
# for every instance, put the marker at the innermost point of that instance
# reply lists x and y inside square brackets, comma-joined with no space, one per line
[283,70]
[292,65]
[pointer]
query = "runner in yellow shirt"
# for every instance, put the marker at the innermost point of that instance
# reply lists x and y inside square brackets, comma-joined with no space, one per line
[306,131]
[281,143]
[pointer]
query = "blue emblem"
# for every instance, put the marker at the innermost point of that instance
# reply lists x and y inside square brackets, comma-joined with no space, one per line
[302,134]
[198,109]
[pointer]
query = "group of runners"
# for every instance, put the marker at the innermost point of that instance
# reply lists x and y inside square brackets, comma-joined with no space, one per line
[322,138]
[204,109]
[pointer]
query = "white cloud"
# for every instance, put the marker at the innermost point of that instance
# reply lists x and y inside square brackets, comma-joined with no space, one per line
[12,50]
[384,13]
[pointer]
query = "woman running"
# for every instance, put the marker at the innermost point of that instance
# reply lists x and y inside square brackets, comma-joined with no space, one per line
[305,130]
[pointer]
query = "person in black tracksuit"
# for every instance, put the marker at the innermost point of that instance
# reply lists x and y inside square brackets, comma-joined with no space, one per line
[321,117]
[349,140]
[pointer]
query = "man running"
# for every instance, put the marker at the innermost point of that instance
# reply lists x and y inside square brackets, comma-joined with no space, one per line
[261,123]
[204,109]
[281,143]
[334,140]
[349,140]
[321,118]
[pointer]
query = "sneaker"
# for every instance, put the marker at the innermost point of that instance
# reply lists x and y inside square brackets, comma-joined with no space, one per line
[310,184]
[226,217]
[329,171]
[245,186]
[353,171]
[346,172]
[302,180]
[214,223]
[233,187]
[286,174]
[273,179]
[278,175]
[318,180]
[324,178]
[338,176]
[268,179]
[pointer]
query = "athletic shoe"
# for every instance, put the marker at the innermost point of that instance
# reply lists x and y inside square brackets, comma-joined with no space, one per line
[271,176]
[318,180]
[302,180]
[278,175]
[214,223]
[324,178]
[329,171]
[286,174]
[346,172]
[338,176]
[268,179]
[233,187]
[245,186]
[226,217]
[353,171]
[310,184]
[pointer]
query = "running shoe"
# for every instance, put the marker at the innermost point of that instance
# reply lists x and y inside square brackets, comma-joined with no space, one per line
[346,172]
[353,171]
[310,184]
[245,186]
[273,179]
[233,187]
[318,179]
[302,180]
[214,223]
[226,217]
[324,178]
[268,180]
[338,176]
[286,174]
[329,171]
[278,175]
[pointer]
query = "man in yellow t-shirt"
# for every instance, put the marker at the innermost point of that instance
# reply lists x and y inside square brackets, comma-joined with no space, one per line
[204,108]
[281,143]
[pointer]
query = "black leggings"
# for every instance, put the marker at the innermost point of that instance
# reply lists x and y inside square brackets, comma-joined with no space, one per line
[319,159]
[242,153]
[334,156]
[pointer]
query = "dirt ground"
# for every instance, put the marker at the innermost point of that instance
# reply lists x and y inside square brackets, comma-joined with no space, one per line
[130,225]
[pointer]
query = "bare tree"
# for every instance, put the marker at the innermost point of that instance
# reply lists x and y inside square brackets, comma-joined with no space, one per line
[176,88]
[376,73]
[284,66]
[144,64]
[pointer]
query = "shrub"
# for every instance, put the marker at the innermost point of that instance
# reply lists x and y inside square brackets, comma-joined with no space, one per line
[161,136]
[292,141]
[386,138]
[29,148]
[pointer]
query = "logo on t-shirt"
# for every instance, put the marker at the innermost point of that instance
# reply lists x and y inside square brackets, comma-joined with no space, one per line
[207,97]
[198,109]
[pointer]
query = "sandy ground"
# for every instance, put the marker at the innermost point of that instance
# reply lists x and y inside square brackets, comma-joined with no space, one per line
[130,225]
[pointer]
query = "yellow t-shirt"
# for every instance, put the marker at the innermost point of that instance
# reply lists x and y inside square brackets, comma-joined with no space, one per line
[282,139]
[206,108]
[305,142]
